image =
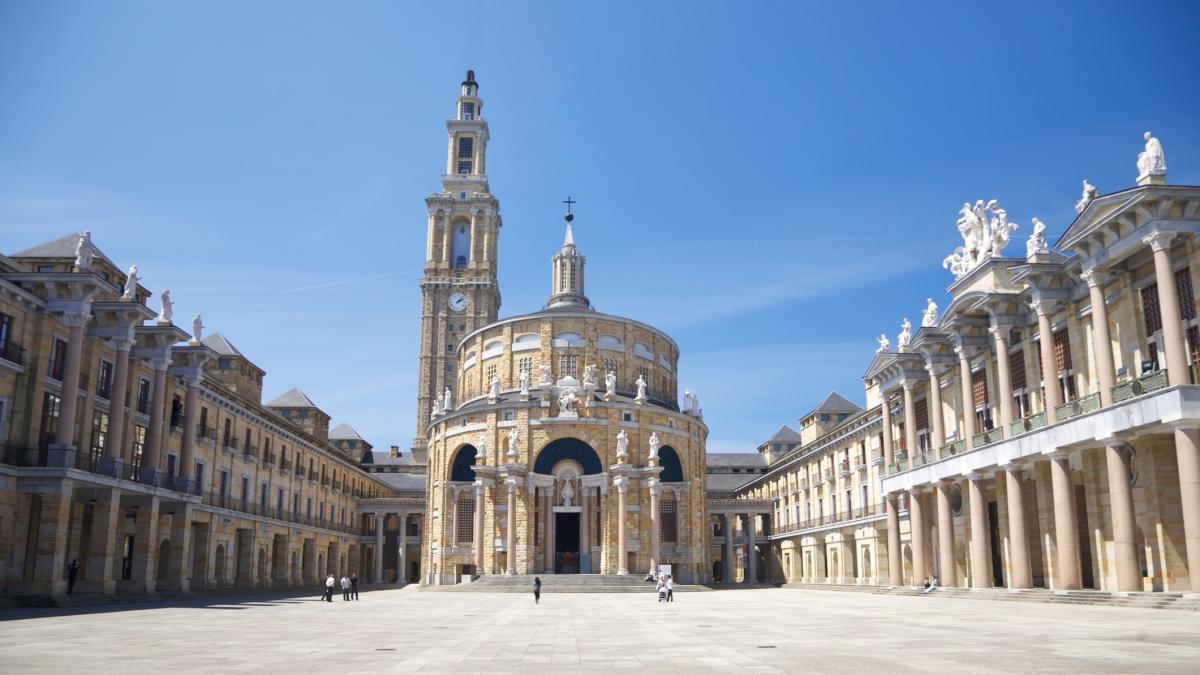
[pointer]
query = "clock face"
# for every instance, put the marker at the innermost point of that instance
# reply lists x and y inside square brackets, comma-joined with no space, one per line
[457,302]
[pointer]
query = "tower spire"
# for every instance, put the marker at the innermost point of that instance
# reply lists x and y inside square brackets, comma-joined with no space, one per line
[567,279]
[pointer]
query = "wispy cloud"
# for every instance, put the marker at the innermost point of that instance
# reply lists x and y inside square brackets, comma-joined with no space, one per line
[343,282]
[359,204]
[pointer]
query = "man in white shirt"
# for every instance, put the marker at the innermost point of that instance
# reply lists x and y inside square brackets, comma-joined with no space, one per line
[345,587]
[329,581]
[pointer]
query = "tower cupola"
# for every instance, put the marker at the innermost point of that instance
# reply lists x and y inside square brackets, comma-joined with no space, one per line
[567,277]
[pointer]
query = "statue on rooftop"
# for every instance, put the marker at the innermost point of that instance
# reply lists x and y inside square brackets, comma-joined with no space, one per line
[610,384]
[1037,240]
[513,434]
[494,388]
[1151,161]
[930,317]
[131,284]
[84,252]
[566,401]
[525,383]
[589,375]
[641,388]
[448,404]
[885,345]
[1089,193]
[655,444]
[547,378]
[197,329]
[622,446]
[905,338]
[166,306]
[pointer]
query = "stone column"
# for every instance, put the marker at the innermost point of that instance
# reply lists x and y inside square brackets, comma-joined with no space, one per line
[895,559]
[727,567]
[889,446]
[585,530]
[751,549]
[474,236]
[916,526]
[150,458]
[445,238]
[968,398]
[53,540]
[1187,457]
[431,228]
[1120,498]
[981,565]
[510,564]
[378,547]
[480,490]
[1101,340]
[1018,540]
[191,417]
[1053,393]
[910,419]
[145,546]
[64,436]
[655,532]
[102,544]
[180,549]
[1003,376]
[1065,528]
[622,485]
[402,558]
[1168,303]
[548,540]
[115,449]
[947,575]
[936,420]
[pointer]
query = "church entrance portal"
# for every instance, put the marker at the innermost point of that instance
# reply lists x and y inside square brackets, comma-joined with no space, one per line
[566,543]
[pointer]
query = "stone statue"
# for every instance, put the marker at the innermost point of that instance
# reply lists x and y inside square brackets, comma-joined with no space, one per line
[481,451]
[1037,240]
[436,409]
[131,283]
[696,410]
[930,317]
[589,375]
[641,388]
[566,401]
[1089,193]
[985,230]
[610,383]
[904,339]
[568,492]
[1151,161]
[197,329]
[494,388]
[622,446]
[885,345]
[448,403]
[166,306]
[547,378]
[525,383]
[655,444]
[84,252]
[687,400]
[512,444]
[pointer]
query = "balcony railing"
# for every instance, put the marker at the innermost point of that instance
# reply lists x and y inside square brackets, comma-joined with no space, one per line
[250,452]
[312,475]
[1077,407]
[84,461]
[955,448]
[1142,385]
[285,464]
[989,436]
[206,434]
[217,500]
[876,456]
[13,353]
[830,519]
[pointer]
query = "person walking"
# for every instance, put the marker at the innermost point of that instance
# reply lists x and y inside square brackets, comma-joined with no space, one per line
[329,582]
[670,589]
[72,574]
[661,588]
[345,587]
[354,585]
[537,590]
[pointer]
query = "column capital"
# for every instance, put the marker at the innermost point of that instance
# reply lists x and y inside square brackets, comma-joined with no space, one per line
[999,331]
[158,363]
[123,344]
[965,353]
[907,386]
[974,476]
[1093,277]
[1043,308]
[75,319]
[1159,240]
[1059,454]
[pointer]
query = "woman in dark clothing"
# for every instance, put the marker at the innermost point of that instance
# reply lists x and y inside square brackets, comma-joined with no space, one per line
[537,590]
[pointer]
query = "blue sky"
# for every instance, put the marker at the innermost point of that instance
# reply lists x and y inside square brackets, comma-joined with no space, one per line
[774,184]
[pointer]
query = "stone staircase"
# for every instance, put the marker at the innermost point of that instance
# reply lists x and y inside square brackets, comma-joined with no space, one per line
[561,583]
[1093,598]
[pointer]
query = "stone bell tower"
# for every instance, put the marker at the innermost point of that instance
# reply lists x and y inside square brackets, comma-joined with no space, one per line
[459,290]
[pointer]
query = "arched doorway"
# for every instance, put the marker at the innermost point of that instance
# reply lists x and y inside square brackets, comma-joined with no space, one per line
[164,559]
[866,562]
[567,513]
[219,565]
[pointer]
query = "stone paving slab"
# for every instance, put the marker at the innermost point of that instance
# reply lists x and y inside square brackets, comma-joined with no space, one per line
[756,630]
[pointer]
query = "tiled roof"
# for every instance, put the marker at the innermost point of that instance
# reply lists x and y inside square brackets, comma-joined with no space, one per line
[63,247]
[403,481]
[384,458]
[220,344]
[727,482]
[736,459]
[835,403]
[292,398]
[785,435]
[344,432]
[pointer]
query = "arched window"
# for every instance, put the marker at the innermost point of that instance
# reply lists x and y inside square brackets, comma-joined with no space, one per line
[668,512]
[672,470]
[460,245]
[460,470]
[464,520]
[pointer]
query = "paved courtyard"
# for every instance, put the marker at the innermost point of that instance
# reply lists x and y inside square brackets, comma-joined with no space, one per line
[761,630]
